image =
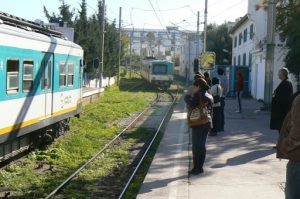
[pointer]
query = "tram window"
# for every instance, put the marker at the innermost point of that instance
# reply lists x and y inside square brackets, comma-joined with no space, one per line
[71,74]
[49,73]
[62,74]
[28,76]
[12,76]
[46,77]
[159,69]
[44,80]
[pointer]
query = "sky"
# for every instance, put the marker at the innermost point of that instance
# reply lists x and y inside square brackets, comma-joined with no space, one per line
[139,13]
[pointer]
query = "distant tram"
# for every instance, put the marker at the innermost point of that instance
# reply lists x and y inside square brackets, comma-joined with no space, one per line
[40,75]
[158,72]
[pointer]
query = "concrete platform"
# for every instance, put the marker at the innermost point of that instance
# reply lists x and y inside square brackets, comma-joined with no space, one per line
[240,163]
[91,91]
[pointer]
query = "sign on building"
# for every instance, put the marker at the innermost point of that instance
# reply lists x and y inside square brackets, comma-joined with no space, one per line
[207,60]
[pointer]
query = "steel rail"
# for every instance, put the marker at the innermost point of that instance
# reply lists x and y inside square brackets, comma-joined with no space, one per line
[148,148]
[93,157]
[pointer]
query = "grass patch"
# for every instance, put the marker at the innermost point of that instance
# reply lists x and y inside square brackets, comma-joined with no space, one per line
[39,173]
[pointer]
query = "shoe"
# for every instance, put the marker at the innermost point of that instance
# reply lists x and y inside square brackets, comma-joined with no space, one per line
[213,134]
[195,171]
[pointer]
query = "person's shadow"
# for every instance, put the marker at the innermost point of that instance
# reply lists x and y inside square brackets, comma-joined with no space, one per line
[245,158]
[149,186]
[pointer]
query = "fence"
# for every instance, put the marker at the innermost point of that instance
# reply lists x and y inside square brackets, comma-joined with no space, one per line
[92,80]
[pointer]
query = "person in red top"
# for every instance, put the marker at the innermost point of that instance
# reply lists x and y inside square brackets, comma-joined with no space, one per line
[239,89]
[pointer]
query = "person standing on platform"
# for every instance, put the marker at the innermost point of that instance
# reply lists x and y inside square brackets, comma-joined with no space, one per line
[216,91]
[239,89]
[281,100]
[224,85]
[202,98]
[288,147]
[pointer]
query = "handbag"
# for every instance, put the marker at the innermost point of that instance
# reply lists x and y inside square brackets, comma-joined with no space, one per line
[198,116]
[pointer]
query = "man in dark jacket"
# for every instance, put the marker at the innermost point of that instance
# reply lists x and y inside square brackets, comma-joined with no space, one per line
[288,147]
[281,100]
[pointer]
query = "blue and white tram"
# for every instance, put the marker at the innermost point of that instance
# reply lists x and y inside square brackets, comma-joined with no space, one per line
[158,72]
[40,75]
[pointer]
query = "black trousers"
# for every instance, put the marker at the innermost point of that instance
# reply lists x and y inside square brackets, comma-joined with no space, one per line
[222,119]
[216,120]
[239,96]
[199,136]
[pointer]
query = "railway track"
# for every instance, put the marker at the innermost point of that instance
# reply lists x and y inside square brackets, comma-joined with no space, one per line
[116,183]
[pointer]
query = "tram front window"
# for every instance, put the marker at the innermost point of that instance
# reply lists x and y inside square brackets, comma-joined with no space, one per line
[159,69]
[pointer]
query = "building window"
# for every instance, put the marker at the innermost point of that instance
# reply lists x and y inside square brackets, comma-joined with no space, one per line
[235,41]
[245,35]
[251,31]
[239,60]
[27,76]
[244,59]
[240,38]
[234,61]
[70,74]
[62,74]
[250,59]
[12,77]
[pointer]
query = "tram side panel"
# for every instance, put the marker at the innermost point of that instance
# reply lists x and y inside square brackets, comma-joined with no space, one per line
[31,98]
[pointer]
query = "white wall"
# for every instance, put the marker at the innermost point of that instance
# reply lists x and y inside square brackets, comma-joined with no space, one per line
[187,56]
[94,83]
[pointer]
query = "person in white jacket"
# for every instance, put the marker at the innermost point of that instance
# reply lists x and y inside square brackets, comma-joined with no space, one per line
[216,92]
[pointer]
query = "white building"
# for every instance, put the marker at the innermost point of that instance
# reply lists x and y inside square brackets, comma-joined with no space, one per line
[167,44]
[249,48]
[188,54]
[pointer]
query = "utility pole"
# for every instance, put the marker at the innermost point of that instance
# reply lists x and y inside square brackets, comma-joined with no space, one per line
[270,53]
[130,53]
[198,43]
[205,27]
[189,66]
[119,65]
[102,43]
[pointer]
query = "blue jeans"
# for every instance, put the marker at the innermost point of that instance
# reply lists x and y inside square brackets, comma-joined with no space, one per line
[199,136]
[292,188]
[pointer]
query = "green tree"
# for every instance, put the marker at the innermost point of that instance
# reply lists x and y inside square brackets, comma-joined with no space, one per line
[219,41]
[65,15]
[288,25]
[87,35]
[81,30]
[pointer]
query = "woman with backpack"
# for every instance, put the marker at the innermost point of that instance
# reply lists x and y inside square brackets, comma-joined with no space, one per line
[199,105]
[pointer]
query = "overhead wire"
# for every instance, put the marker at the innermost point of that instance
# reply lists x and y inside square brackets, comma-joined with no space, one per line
[159,19]
[165,10]
[161,14]
[227,9]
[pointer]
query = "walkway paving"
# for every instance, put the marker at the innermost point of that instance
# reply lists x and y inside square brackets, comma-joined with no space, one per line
[240,164]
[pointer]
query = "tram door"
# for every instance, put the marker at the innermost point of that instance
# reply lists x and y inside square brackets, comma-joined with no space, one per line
[47,83]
